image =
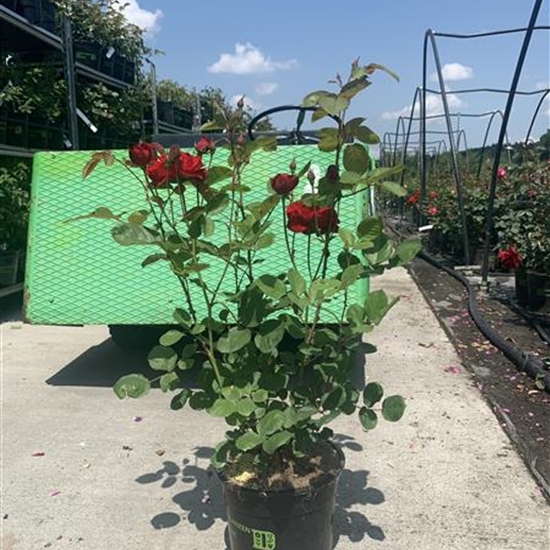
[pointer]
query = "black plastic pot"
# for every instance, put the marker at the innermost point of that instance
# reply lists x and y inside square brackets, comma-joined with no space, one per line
[282,520]
[522,292]
[538,285]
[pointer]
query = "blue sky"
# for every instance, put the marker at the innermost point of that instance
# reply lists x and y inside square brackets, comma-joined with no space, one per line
[276,51]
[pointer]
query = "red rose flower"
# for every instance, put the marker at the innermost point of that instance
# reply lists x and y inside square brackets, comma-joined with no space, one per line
[414,198]
[204,146]
[326,220]
[300,217]
[433,210]
[510,258]
[141,154]
[501,173]
[308,220]
[283,184]
[190,167]
[157,172]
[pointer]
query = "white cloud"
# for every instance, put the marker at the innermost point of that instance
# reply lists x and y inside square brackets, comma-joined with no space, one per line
[454,71]
[434,106]
[248,59]
[248,102]
[266,88]
[147,20]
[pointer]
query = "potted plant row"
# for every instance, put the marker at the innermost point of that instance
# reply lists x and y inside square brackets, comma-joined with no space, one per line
[272,348]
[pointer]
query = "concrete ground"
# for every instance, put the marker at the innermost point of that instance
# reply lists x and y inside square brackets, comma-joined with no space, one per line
[81,469]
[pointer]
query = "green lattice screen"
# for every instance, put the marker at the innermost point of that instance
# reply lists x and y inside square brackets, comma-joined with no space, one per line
[77,274]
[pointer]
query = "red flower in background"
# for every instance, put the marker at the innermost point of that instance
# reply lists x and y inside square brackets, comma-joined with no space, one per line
[510,258]
[414,198]
[501,173]
[308,220]
[204,146]
[283,184]
[433,195]
[174,168]
[141,154]
[433,211]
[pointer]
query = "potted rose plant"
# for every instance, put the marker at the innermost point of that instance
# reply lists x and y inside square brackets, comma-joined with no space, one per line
[274,347]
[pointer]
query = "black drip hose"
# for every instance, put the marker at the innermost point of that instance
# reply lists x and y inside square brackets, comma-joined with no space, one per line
[525,362]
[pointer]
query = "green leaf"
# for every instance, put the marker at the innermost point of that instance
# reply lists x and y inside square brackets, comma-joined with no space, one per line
[217,174]
[128,234]
[376,306]
[369,69]
[372,393]
[260,396]
[356,158]
[353,87]
[304,170]
[232,392]
[272,286]
[393,408]
[271,422]
[182,317]
[222,408]
[153,258]
[347,237]
[333,104]
[270,334]
[132,385]
[248,441]
[171,337]
[350,178]
[394,188]
[217,203]
[138,217]
[350,275]
[366,135]
[162,358]
[245,407]
[169,381]
[370,228]
[275,441]
[318,114]
[234,341]
[321,289]
[368,418]
[200,400]
[180,399]
[408,249]
[334,399]
[328,139]
[312,99]
[297,282]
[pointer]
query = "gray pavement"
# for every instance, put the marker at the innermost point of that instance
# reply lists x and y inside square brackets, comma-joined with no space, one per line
[129,475]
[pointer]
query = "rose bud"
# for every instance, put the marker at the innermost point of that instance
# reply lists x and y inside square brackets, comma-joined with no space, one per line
[205,146]
[332,172]
[240,103]
[311,176]
[241,140]
[141,154]
[292,166]
[283,184]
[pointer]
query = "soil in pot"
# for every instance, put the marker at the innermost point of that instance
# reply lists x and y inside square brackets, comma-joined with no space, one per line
[290,508]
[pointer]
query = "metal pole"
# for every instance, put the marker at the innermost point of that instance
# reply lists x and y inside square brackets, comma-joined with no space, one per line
[454,160]
[70,79]
[505,118]
[154,109]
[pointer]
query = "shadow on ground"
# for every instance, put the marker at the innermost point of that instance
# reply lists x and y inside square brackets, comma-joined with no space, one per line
[11,308]
[201,502]
[101,365]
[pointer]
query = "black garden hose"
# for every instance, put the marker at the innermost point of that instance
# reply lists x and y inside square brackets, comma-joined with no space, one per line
[525,362]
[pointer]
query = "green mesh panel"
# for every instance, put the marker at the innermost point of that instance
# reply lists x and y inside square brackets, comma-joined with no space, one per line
[77,274]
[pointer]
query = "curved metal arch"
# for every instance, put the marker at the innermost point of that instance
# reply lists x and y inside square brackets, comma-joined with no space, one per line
[400,122]
[461,134]
[504,125]
[539,105]
[484,146]
[406,145]
[429,39]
